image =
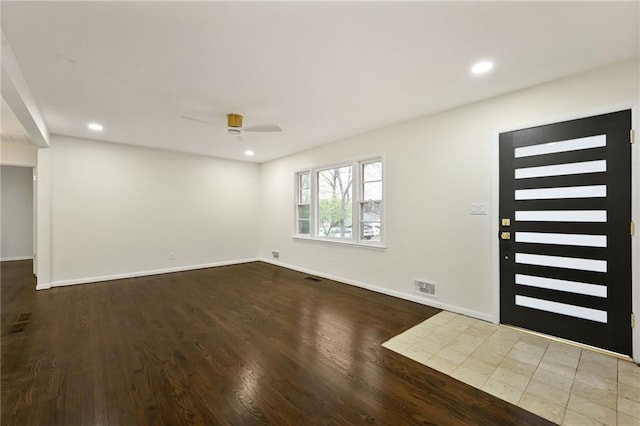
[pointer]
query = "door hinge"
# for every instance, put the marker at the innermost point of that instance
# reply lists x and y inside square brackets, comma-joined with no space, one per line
[632,228]
[632,136]
[633,320]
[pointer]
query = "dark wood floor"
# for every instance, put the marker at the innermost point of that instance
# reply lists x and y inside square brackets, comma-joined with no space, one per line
[242,345]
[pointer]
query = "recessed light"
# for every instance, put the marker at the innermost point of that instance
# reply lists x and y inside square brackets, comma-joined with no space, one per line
[482,67]
[96,127]
[249,153]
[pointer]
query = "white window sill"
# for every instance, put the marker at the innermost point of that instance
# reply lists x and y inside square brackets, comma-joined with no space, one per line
[373,245]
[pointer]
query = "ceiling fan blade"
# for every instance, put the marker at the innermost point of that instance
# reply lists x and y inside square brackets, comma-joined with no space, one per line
[197,120]
[262,128]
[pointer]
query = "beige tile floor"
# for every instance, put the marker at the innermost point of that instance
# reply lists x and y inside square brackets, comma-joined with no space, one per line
[560,382]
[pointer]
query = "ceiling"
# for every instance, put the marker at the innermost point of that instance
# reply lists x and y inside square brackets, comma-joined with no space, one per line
[323,71]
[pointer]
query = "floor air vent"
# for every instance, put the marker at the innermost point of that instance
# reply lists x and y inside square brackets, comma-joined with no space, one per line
[314,279]
[20,323]
[425,288]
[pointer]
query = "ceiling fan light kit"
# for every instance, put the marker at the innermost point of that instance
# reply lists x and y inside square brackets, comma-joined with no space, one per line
[234,124]
[234,120]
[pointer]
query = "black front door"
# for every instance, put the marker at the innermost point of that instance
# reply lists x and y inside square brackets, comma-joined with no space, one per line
[565,243]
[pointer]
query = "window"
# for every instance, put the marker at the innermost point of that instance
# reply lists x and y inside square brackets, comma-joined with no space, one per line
[341,203]
[302,208]
[371,200]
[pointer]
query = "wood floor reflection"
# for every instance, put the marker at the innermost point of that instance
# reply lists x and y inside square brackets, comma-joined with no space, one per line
[242,345]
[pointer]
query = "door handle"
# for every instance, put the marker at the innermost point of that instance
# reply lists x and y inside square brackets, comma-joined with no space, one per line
[505,235]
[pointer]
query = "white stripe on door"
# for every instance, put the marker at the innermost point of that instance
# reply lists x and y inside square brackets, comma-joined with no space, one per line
[561,146]
[562,285]
[562,308]
[588,191]
[582,240]
[561,216]
[596,166]
[562,262]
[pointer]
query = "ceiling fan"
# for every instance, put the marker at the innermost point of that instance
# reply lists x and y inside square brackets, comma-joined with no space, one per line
[234,125]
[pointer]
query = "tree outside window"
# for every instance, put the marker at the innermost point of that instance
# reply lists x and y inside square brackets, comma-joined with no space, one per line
[335,206]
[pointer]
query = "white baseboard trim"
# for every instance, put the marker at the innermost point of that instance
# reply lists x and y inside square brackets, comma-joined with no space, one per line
[42,286]
[87,280]
[406,296]
[14,258]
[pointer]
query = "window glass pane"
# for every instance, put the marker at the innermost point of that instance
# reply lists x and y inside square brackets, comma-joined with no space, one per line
[370,231]
[340,232]
[334,202]
[371,211]
[372,171]
[303,227]
[372,191]
[303,211]
[304,181]
[305,196]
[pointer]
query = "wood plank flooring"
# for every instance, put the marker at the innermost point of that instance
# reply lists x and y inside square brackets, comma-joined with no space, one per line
[242,345]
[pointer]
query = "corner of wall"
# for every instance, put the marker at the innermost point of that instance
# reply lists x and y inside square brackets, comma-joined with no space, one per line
[43,219]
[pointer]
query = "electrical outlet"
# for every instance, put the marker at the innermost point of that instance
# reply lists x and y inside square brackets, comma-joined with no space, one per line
[171,255]
[275,254]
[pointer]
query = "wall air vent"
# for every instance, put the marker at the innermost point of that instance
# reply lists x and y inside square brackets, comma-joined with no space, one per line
[425,288]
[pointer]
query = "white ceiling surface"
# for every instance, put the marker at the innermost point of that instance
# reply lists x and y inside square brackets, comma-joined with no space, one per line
[323,71]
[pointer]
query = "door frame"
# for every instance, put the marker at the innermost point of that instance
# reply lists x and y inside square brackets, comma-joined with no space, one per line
[635,205]
[34,206]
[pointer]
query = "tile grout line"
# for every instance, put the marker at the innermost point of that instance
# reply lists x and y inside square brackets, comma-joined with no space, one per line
[533,374]
[573,383]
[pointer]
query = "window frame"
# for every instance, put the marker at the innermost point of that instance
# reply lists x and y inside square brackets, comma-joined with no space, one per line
[298,202]
[361,198]
[357,202]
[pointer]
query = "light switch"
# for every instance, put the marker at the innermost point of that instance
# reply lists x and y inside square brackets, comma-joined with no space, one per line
[478,209]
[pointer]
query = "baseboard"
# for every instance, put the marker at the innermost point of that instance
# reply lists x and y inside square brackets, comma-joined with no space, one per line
[406,296]
[42,286]
[87,280]
[14,258]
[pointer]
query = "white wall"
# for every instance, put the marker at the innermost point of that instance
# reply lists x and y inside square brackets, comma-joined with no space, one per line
[435,168]
[16,199]
[118,210]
